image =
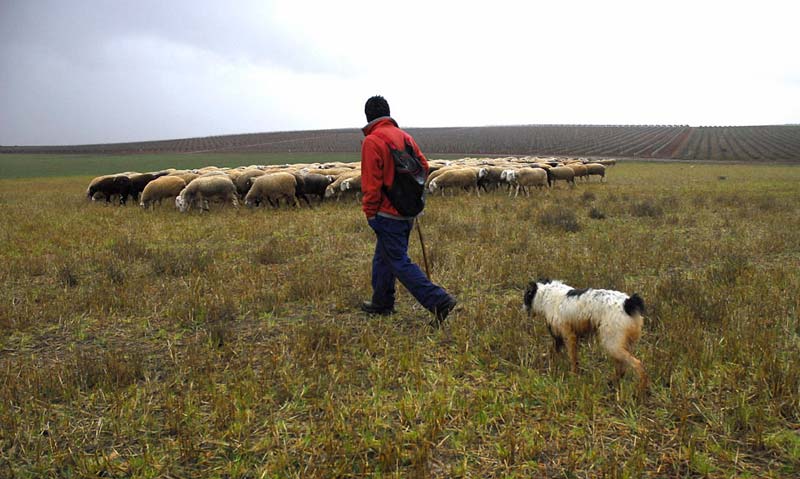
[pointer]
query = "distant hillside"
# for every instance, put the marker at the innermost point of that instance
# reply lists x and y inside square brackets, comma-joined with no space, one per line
[728,143]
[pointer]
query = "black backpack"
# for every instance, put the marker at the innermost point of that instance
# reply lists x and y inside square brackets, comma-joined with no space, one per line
[407,193]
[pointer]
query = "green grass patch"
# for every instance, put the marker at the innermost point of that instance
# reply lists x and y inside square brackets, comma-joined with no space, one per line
[229,344]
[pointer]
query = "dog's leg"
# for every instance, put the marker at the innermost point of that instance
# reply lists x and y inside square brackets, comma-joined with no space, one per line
[623,360]
[572,350]
[619,371]
[558,344]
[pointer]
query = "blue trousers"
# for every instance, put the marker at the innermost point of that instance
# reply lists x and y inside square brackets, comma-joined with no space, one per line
[391,262]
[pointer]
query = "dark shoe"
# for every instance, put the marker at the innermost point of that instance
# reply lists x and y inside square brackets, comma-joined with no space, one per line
[442,311]
[370,308]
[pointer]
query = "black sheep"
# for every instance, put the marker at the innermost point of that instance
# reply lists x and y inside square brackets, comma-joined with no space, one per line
[314,184]
[113,185]
[300,188]
[139,181]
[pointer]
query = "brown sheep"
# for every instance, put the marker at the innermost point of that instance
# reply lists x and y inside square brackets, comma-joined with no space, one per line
[596,169]
[563,173]
[272,187]
[465,178]
[203,189]
[161,188]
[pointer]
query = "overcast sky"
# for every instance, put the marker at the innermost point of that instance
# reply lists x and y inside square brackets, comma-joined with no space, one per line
[86,71]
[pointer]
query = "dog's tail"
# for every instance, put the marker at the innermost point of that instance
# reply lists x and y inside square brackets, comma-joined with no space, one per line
[633,305]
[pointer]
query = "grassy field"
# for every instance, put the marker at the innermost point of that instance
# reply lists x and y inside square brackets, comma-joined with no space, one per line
[227,344]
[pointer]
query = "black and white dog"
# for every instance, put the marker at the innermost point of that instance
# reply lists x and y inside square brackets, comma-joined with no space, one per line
[571,313]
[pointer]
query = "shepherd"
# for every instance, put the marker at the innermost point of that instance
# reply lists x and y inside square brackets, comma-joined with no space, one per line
[393,172]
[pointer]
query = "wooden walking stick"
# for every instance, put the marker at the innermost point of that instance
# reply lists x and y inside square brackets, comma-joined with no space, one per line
[422,243]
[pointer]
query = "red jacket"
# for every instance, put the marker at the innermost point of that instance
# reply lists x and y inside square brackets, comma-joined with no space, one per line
[377,164]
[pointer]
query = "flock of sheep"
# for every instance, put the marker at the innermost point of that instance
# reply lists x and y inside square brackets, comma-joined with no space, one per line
[257,184]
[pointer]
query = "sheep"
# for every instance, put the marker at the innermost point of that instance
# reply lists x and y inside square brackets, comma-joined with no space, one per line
[299,187]
[352,186]
[202,189]
[315,184]
[212,173]
[95,180]
[272,187]
[563,173]
[432,175]
[335,188]
[492,179]
[233,174]
[160,188]
[466,178]
[139,181]
[525,177]
[328,171]
[245,180]
[596,169]
[109,186]
[579,169]
[184,175]
[570,313]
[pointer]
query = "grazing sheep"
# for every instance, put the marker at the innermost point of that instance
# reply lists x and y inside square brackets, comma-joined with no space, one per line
[200,190]
[465,178]
[480,171]
[335,188]
[204,174]
[432,175]
[563,173]
[109,186]
[95,180]
[580,170]
[245,180]
[233,174]
[139,181]
[315,184]
[272,187]
[185,176]
[571,313]
[492,179]
[352,186]
[161,188]
[328,171]
[525,177]
[596,169]
[299,187]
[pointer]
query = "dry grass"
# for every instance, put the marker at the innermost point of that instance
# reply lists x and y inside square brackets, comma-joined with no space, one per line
[137,344]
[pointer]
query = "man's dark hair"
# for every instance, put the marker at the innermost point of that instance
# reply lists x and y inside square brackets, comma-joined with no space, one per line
[376,107]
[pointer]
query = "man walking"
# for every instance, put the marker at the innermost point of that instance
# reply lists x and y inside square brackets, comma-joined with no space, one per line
[391,261]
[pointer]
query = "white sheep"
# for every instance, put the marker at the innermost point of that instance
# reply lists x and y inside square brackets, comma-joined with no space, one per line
[200,190]
[161,188]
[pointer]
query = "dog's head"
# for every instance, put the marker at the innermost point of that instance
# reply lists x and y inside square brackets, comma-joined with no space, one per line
[527,300]
[530,293]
